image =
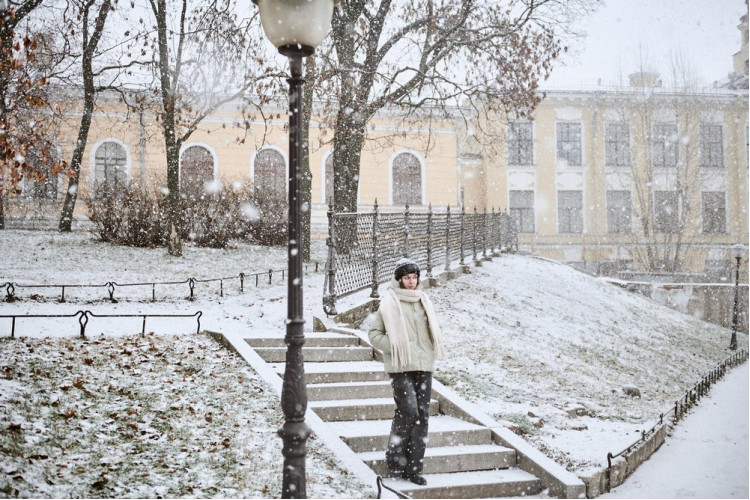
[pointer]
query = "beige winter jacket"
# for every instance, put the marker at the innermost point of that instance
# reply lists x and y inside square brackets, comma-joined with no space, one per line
[422,352]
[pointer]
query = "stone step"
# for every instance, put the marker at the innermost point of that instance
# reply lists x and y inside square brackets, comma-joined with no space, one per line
[477,484]
[318,354]
[337,372]
[349,390]
[444,459]
[359,409]
[444,430]
[332,340]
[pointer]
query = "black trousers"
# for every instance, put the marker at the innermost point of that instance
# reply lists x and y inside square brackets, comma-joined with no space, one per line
[408,440]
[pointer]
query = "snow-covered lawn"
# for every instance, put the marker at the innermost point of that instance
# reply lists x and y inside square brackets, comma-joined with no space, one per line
[529,340]
[143,417]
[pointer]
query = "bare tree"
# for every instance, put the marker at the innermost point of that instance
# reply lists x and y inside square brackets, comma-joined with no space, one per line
[665,173]
[91,31]
[204,59]
[426,56]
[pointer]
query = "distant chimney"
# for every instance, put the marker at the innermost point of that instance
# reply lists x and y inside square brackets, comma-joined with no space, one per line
[645,79]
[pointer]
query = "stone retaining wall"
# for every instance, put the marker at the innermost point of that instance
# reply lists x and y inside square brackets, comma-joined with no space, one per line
[625,465]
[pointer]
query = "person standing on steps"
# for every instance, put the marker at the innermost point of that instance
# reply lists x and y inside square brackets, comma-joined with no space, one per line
[405,329]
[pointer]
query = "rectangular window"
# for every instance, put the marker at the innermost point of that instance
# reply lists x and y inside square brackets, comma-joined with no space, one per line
[714,212]
[618,212]
[712,146]
[664,145]
[522,210]
[520,144]
[569,143]
[666,212]
[570,211]
[616,144]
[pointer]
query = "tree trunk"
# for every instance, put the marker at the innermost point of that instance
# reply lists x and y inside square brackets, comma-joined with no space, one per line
[174,225]
[348,140]
[306,184]
[71,194]
[89,48]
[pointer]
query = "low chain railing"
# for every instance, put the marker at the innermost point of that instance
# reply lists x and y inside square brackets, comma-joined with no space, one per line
[84,317]
[381,484]
[676,412]
[111,286]
[363,247]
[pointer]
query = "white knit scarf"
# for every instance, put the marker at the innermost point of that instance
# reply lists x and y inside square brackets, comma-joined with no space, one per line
[395,325]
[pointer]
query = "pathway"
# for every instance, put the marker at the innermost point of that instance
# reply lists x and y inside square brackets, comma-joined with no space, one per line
[707,457]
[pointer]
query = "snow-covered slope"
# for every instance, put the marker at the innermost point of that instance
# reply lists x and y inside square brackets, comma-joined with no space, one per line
[529,340]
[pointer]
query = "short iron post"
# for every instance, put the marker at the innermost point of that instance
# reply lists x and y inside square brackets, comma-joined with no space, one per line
[448,238]
[429,240]
[375,217]
[484,233]
[461,239]
[735,310]
[474,236]
[329,298]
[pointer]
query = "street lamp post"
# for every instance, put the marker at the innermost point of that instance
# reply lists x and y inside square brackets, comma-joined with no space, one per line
[738,252]
[296,28]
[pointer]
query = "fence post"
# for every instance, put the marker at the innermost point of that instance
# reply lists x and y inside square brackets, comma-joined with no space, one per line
[329,292]
[375,217]
[463,216]
[406,230]
[429,240]
[484,233]
[448,239]
[492,226]
[498,226]
[474,237]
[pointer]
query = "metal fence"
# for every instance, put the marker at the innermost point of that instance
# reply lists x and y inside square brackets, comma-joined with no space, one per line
[83,318]
[363,248]
[677,411]
[111,287]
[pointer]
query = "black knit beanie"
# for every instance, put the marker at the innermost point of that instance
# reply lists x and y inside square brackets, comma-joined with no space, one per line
[404,267]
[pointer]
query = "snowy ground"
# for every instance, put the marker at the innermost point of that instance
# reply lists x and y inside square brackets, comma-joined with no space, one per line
[693,462]
[528,340]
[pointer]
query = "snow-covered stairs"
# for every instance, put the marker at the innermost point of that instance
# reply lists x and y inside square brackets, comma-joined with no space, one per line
[348,388]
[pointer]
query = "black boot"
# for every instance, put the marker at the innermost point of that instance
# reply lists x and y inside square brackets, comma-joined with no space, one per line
[415,478]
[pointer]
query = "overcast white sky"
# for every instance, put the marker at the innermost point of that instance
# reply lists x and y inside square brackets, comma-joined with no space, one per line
[705,31]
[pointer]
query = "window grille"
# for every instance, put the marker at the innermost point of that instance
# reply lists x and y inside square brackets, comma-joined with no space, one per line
[570,211]
[664,145]
[619,212]
[617,144]
[520,144]
[569,143]
[407,180]
[521,205]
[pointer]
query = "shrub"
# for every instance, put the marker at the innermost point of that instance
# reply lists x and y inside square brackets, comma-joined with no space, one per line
[107,208]
[266,220]
[210,217]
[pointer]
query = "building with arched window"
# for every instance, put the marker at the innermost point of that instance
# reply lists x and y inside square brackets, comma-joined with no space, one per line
[197,167]
[638,176]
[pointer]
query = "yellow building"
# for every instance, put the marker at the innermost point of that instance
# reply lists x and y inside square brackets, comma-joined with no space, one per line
[642,178]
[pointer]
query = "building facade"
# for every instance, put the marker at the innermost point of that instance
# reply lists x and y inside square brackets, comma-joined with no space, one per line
[641,178]
[636,178]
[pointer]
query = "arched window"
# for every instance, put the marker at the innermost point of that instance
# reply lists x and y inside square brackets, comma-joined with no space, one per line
[328,188]
[407,180]
[196,168]
[110,162]
[42,159]
[270,174]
